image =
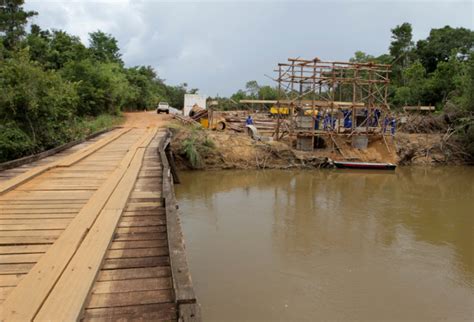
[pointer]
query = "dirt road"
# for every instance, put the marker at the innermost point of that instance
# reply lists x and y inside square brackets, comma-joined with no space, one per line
[146,119]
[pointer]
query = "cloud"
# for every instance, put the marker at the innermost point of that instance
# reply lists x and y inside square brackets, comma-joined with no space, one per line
[218,46]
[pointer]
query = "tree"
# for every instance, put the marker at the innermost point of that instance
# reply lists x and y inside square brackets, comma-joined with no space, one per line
[104,47]
[102,87]
[400,49]
[361,57]
[36,107]
[443,83]
[64,48]
[12,22]
[267,93]
[252,89]
[144,91]
[442,43]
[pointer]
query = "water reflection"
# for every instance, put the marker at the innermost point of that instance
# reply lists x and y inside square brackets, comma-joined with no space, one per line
[332,235]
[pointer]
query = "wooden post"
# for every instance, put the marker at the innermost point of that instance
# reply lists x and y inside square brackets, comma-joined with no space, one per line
[278,104]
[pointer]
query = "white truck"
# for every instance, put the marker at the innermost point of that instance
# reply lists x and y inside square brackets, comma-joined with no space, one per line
[193,99]
[163,107]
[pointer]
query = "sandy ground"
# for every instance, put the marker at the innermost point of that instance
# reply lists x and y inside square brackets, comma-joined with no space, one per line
[146,119]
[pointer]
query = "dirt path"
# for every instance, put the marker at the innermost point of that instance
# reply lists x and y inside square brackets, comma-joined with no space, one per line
[146,119]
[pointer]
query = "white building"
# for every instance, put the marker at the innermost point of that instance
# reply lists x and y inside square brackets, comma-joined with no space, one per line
[193,99]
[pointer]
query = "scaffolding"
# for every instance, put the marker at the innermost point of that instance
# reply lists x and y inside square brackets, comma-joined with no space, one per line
[331,99]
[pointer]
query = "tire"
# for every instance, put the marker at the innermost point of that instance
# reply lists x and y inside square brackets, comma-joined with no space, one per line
[167,112]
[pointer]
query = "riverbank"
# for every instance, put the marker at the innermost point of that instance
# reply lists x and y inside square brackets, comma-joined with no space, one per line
[198,148]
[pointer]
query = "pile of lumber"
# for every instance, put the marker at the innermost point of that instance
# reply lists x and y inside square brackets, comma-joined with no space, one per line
[184,119]
[197,115]
[237,123]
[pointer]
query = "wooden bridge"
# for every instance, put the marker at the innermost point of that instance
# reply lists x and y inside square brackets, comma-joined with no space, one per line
[92,233]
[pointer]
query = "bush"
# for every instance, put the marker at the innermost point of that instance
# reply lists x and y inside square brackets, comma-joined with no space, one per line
[14,143]
[39,103]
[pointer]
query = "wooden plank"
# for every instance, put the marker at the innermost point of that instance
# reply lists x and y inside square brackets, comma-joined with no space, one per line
[133,273]
[140,284]
[145,194]
[115,263]
[39,225]
[5,291]
[19,258]
[30,207]
[67,161]
[136,244]
[27,240]
[76,157]
[142,223]
[22,304]
[32,233]
[66,299]
[18,201]
[130,253]
[160,212]
[38,216]
[10,280]
[139,236]
[50,195]
[129,298]
[52,154]
[140,229]
[27,249]
[15,269]
[148,312]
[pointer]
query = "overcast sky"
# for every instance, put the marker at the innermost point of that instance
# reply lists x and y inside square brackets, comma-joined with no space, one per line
[218,46]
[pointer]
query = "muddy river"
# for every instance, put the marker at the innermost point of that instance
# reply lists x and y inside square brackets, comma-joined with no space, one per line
[331,244]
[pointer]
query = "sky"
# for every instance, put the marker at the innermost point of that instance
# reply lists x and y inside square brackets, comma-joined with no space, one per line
[217,46]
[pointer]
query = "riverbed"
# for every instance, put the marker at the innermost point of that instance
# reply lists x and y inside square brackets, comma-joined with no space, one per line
[331,244]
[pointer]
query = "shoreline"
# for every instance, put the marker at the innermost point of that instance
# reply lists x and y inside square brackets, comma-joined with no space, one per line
[195,148]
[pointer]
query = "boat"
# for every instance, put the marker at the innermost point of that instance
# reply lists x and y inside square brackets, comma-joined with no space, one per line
[364,165]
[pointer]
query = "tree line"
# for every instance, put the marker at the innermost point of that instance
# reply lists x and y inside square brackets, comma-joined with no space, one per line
[434,71]
[52,84]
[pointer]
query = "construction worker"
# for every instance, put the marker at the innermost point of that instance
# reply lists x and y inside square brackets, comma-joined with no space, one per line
[377,114]
[249,120]
[385,124]
[317,119]
[393,124]
[347,119]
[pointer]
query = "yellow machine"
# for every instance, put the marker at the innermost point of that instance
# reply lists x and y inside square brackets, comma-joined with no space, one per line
[284,110]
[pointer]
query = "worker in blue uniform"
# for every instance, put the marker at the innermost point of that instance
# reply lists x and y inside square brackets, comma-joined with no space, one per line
[347,119]
[249,120]
[393,124]
[377,114]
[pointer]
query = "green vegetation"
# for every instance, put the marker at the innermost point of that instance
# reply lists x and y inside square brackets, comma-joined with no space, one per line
[196,146]
[55,89]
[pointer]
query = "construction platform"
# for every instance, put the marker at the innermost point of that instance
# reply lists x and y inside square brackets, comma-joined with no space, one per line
[92,233]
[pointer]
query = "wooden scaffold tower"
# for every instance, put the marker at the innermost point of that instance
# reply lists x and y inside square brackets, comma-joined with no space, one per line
[331,99]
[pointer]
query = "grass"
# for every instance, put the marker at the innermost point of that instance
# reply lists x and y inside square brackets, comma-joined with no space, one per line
[88,126]
[196,144]
[190,150]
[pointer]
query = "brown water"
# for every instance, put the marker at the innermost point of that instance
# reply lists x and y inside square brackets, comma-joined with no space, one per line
[313,245]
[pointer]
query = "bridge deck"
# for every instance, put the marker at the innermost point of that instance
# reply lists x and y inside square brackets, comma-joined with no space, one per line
[83,235]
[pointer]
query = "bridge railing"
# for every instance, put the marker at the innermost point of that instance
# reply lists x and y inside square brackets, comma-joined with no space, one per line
[188,308]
